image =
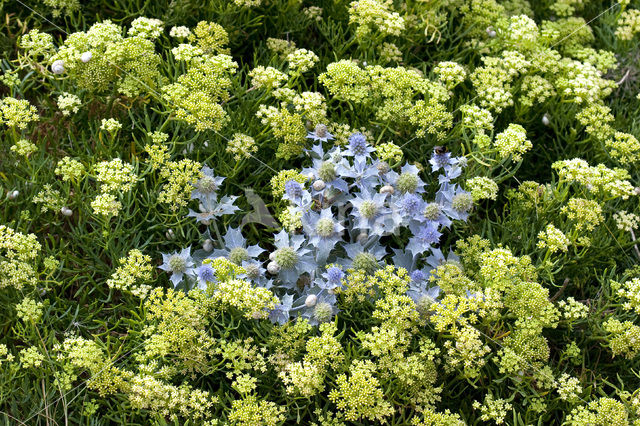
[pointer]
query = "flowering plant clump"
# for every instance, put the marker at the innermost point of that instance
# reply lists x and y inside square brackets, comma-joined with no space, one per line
[274,212]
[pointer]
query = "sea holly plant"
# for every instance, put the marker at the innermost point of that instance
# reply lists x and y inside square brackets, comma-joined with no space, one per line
[348,202]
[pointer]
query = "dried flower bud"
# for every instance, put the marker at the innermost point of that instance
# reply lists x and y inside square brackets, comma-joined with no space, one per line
[86,57]
[57,67]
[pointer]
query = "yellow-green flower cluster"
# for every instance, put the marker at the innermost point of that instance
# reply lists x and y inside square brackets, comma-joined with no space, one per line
[450,74]
[535,90]
[69,169]
[210,37]
[597,119]
[567,7]
[601,180]
[359,395]
[569,388]
[553,239]
[282,47]
[179,31]
[586,214]
[197,96]
[58,7]
[267,78]
[346,80]
[493,86]
[313,12]
[312,106]
[628,24]
[287,126]
[5,355]
[389,152]
[19,252]
[149,28]
[603,60]
[301,61]
[431,117]
[110,125]
[306,378]
[187,52]
[134,270]
[477,119]
[626,221]
[181,177]
[603,411]
[146,392]
[241,146]
[101,58]
[31,357]
[251,411]
[512,142]
[493,409]
[157,150]
[17,113]
[29,311]
[482,188]
[630,290]
[389,52]
[106,205]
[24,147]
[572,310]
[290,219]
[224,269]
[69,103]
[624,147]
[51,199]
[37,44]
[375,15]
[254,302]
[582,82]
[623,338]
[115,176]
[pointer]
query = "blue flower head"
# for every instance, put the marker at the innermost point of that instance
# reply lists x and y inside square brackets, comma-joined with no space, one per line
[318,305]
[412,207]
[205,275]
[207,186]
[235,248]
[323,232]
[418,276]
[358,146]
[370,212]
[280,314]
[320,133]
[331,279]
[180,264]
[424,237]
[293,189]
[292,257]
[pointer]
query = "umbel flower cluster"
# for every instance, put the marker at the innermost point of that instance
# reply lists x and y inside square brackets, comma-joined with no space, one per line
[340,210]
[327,213]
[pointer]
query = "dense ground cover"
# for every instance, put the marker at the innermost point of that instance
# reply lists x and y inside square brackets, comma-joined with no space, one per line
[278,212]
